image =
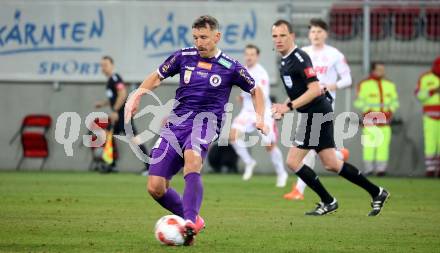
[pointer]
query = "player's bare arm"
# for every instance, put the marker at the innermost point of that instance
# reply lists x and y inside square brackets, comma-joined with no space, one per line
[258,100]
[313,91]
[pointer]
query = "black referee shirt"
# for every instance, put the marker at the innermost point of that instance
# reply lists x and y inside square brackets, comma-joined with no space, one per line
[297,72]
[114,84]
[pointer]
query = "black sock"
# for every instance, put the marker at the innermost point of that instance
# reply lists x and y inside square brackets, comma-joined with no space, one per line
[145,151]
[311,179]
[353,175]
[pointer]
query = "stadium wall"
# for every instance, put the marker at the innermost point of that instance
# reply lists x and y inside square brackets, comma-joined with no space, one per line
[18,99]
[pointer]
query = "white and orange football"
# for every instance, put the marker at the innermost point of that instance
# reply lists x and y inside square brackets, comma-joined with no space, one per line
[169,230]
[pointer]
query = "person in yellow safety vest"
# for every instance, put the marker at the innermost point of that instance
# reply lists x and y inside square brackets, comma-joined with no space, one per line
[428,93]
[377,98]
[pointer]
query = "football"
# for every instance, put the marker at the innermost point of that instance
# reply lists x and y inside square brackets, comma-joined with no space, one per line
[169,230]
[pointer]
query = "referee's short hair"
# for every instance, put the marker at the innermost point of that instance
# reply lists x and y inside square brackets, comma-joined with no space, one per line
[109,58]
[252,46]
[206,20]
[318,22]
[284,22]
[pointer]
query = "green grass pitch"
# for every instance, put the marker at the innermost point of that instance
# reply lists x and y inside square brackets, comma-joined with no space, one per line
[85,212]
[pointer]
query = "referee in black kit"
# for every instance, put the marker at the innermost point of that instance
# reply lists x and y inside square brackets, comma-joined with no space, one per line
[117,95]
[306,96]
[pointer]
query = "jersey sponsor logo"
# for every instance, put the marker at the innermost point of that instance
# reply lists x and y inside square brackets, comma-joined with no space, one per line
[187,76]
[310,72]
[299,57]
[202,74]
[321,69]
[188,48]
[288,81]
[189,53]
[225,63]
[204,65]
[215,80]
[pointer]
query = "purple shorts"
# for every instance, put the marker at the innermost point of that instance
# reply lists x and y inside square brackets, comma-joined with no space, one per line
[167,154]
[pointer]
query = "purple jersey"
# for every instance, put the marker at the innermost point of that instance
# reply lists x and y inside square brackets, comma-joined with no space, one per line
[205,83]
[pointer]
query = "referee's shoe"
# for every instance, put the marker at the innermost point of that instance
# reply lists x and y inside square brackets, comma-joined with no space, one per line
[323,208]
[378,202]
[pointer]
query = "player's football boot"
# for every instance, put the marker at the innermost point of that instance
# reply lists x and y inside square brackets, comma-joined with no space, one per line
[378,202]
[323,209]
[190,233]
[343,154]
[200,224]
[249,170]
[294,195]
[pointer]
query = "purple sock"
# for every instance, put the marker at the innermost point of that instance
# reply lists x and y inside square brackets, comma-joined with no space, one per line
[172,202]
[192,196]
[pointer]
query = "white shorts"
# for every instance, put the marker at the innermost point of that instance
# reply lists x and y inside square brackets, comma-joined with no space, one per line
[245,123]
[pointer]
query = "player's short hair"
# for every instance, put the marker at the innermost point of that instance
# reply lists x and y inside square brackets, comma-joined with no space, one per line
[252,46]
[318,22]
[109,58]
[206,20]
[375,63]
[280,22]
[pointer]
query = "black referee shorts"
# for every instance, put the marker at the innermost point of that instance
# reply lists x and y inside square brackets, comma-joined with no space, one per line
[119,125]
[315,131]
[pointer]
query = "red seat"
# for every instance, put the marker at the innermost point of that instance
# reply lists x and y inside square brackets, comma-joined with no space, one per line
[34,143]
[406,22]
[379,23]
[432,23]
[344,21]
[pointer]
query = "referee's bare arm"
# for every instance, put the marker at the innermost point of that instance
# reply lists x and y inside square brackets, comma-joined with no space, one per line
[313,91]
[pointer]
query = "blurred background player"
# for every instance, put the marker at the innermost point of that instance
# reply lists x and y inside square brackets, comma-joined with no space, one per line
[117,95]
[333,73]
[428,93]
[245,121]
[206,79]
[376,94]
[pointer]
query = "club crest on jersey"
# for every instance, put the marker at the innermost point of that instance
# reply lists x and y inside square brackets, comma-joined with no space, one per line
[310,72]
[204,65]
[187,76]
[215,80]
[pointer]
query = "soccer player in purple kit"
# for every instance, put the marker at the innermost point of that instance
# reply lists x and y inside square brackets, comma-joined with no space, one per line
[206,79]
